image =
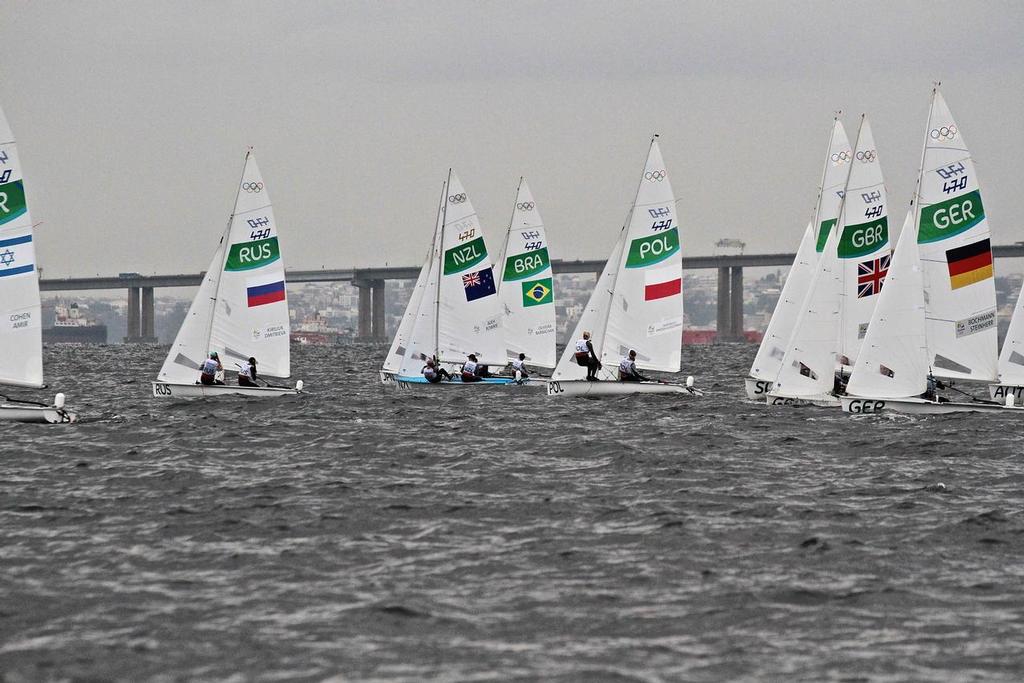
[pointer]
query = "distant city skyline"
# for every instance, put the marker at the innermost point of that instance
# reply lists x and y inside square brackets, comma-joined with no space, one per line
[132,119]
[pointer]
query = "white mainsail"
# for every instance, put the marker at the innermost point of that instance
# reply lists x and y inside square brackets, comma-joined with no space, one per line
[769,357]
[893,360]
[21,344]
[241,308]
[638,301]
[956,253]
[863,248]
[525,286]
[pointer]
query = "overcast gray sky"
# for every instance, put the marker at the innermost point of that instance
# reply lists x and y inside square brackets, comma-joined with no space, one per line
[132,117]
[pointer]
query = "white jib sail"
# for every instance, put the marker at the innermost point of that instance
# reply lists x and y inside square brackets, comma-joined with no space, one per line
[421,342]
[863,249]
[893,361]
[769,357]
[808,368]
[21,343]
[468,311]
[241,309]
[526,286]
[393,361]
[956,253]
[594,315]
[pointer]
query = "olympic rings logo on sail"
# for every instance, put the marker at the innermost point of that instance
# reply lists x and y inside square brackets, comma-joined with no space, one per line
[252,187]
[841,157]
[655,176]
[525,206]
[867,157]
[457,198]
[943,133]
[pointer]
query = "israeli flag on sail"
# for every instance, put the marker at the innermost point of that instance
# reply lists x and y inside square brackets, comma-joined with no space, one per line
[17,255]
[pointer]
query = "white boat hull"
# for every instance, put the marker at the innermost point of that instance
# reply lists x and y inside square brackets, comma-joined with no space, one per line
[757,389]
[419,383]
[579,387]
[999,392]
[819,401]
[38,414]
[916,406]
[174,390]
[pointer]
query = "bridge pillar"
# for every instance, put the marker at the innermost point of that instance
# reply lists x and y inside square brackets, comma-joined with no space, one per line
[132,334]
[724,305]
[365,304]
[377,330]
[736,301]
[148,334]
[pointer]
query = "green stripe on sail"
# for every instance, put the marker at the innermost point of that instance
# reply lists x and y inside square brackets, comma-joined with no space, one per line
[12,201]
[823,231]
[526,264]
[646,251]
[864,238]
[249,255]
[950,217]
[538,292]
[464,256]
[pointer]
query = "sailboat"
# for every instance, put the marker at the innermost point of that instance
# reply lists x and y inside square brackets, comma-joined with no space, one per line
[241,308]
[455,302]
[525,285]
[638,301]
[837,307]
[940,316]
[768,362]
[21,342]
[1011,359]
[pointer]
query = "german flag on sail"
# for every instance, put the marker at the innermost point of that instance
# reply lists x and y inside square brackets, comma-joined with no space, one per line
[969,264]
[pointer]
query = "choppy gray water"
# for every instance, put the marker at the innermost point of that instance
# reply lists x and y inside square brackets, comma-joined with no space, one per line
[363,533]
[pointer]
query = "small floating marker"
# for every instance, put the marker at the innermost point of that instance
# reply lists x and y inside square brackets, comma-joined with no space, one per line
[940,486]
[299,385]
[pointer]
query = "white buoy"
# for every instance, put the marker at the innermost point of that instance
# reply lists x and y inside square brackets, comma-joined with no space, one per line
[299,385]
[1009,400]
[940,486]
[689,381]
[58,401]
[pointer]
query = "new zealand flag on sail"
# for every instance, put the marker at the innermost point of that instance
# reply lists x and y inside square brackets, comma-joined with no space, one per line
[479,284]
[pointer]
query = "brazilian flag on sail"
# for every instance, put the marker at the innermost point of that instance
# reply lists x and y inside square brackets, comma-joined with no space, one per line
[538,292]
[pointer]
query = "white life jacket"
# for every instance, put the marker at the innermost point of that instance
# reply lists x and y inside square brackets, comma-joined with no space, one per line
[209,366]
[582,350]
[469,367]
[518,364]
[429,372]
[627,367]
[246,371]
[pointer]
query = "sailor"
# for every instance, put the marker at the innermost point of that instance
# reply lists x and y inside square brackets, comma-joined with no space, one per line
[931,390]
[434,374]
[470,369]
[247,374]
[519,368]
[839,382]
[628,371]
[209,369]
[587,357]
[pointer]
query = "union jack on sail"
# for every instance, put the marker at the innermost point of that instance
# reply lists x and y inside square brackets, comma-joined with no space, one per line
[871,274]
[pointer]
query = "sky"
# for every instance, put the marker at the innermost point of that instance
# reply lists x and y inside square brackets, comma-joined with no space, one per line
[132,118]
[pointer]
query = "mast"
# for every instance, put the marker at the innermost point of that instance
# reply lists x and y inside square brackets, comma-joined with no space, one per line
[840,226]
[508,235]
[440,267]
[227,233]
[915,205]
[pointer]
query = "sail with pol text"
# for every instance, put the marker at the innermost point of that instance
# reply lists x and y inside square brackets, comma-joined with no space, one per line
[637,304]
[526,285]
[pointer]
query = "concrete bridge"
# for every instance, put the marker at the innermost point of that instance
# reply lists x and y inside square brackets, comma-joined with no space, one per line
[370,282]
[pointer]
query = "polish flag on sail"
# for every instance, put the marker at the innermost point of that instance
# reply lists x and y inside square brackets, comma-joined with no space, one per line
[660,283]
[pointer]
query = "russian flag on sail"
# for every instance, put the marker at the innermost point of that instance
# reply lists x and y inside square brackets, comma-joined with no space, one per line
[660,283]
[266,289]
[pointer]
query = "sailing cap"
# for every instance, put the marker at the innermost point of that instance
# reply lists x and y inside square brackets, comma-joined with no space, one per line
[213,354]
